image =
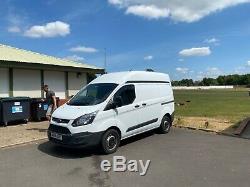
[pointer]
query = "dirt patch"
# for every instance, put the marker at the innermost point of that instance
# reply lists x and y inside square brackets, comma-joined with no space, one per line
[19,134]
[205,123]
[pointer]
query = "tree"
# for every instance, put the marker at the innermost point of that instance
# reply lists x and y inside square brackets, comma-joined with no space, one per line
[220,80]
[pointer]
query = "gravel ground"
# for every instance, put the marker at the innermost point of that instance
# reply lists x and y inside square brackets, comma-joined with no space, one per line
[19,134]
[212,124]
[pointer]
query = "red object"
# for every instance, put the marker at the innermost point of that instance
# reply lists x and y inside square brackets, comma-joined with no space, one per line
[62,101]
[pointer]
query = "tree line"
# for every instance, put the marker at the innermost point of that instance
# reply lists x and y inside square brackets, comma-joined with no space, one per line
[219,81]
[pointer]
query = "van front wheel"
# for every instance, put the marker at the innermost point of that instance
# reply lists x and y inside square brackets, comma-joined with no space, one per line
[165,126]
[110,141]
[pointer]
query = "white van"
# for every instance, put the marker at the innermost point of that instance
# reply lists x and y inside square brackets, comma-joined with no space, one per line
[113,107]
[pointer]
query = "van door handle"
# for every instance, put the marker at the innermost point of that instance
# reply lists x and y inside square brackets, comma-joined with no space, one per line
[137,106]
[144,104]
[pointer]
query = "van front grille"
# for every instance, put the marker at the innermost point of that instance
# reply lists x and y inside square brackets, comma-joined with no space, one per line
[59,129]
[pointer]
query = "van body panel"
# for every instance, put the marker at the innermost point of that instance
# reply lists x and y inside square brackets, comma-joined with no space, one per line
[74,112]
[151,98]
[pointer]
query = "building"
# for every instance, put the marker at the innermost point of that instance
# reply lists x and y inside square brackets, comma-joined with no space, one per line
[22,73]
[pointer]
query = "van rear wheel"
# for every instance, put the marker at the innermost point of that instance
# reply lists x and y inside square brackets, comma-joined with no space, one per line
[165,126]
[110,141]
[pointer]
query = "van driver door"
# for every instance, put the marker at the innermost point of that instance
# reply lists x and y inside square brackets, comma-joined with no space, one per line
[126,114]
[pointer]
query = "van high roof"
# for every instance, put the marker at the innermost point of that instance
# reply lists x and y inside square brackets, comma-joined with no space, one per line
[132,76]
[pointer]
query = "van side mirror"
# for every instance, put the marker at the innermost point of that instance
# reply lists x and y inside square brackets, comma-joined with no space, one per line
[117,102]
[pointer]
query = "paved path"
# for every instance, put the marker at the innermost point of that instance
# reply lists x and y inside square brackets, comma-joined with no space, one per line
[181,158]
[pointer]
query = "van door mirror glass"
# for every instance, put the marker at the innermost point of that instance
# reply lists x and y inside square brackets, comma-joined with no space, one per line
[111,105]
[117,101]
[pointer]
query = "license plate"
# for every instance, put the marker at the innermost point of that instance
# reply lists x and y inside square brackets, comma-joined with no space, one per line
[56,135]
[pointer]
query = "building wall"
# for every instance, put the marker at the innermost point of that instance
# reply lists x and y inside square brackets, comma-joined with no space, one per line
[26,83]
[56,82]
[76,82]
[4,82]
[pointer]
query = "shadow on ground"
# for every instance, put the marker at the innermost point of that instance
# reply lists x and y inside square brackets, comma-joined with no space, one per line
[37,129]
[138,138]
[73,153]
[14,123]
[65,153]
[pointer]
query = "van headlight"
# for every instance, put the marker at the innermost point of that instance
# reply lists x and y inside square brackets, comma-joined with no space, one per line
[84,120]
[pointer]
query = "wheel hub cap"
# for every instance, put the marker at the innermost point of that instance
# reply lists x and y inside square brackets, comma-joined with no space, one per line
[166,125]
[111,140]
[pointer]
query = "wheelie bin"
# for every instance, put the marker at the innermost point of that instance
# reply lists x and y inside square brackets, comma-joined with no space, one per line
[39,108]
[14,109]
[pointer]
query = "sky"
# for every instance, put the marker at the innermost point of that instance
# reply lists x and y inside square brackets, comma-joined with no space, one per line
[186,39]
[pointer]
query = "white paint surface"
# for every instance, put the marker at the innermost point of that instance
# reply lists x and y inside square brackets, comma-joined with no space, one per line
[26,83]
[4,82]
[76,82]
[56,82]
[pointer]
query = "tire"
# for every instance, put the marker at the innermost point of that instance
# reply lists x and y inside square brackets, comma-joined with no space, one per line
[110,141]
[165,126]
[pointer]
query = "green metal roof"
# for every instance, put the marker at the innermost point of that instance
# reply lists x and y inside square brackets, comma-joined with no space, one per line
[11,54]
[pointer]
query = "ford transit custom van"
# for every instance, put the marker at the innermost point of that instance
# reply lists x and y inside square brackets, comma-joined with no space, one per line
[114,107]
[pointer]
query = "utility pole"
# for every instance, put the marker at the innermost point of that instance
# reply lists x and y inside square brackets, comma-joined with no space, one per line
[105,60]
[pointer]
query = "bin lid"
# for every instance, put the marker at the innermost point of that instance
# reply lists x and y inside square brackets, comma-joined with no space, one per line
[37,100]
[4,99]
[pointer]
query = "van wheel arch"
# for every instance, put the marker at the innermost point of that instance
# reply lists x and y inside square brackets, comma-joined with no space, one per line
[115,128]
[169,116]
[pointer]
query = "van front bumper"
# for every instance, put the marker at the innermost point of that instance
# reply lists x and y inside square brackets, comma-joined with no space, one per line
[84,139]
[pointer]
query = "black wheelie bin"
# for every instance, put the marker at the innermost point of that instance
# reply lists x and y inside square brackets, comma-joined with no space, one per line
[14,109]
[39,108]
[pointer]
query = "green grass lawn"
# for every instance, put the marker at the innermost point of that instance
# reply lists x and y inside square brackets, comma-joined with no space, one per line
[233,105]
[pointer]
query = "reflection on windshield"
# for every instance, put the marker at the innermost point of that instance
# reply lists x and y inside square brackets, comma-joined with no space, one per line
[93,94]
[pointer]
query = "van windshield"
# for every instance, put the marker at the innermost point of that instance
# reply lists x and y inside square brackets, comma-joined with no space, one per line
[93,94]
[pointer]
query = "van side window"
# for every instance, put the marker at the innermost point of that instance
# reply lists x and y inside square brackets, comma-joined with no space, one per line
[127,94]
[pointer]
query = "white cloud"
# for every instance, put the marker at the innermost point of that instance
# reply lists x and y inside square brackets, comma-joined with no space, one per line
[148,11]
[83,49]
[212,40]
[52,29]
[115,2]
[74,58]
[15,21]
[181,60]
[210,72]
[177,10]
[213,72]
[241,69]
[248,63]
[200,51]
[182,70]
[14,29]
[150,57]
